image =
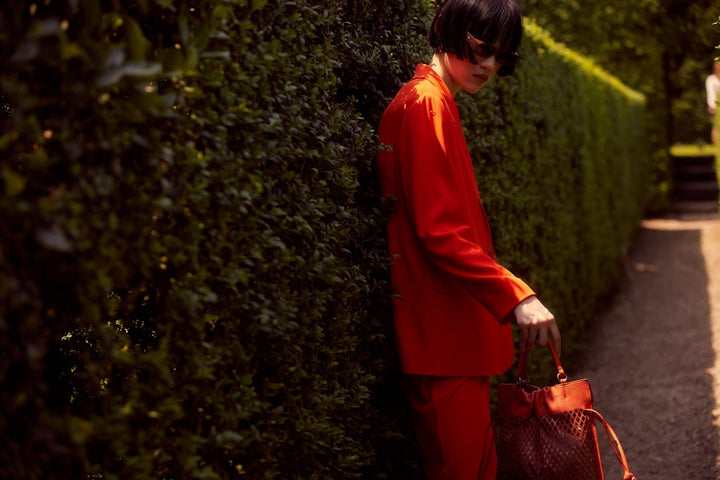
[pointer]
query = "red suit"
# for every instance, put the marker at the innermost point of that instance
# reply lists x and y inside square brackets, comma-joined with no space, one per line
[453,300]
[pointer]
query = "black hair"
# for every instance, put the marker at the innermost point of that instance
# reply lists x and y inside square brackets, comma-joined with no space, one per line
[492,21]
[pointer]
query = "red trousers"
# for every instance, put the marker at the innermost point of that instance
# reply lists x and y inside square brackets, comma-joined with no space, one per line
[452,420]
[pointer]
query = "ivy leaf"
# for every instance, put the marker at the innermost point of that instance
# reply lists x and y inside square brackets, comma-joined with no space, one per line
[54,239]
[131,69]
[14,182]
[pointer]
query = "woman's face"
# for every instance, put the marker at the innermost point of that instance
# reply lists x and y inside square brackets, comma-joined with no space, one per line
[465,75]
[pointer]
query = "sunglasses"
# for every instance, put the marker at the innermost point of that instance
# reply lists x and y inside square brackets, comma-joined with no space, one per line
[484,50]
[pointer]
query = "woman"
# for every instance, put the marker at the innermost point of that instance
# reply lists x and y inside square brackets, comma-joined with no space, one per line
[454,302]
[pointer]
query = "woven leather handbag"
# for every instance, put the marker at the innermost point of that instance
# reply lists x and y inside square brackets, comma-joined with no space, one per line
[548,433]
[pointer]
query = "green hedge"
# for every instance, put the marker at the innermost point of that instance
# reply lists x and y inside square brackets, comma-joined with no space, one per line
[563,169]
[194,279]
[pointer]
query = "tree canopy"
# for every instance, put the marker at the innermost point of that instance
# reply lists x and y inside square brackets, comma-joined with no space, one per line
[663,48]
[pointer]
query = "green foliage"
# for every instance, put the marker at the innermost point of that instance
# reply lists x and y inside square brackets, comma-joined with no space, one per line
[194,278]
[662,48]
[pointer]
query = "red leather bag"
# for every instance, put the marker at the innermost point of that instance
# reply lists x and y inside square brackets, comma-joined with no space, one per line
[548,433]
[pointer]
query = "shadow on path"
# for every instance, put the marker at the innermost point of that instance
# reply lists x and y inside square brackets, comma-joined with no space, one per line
[651,359]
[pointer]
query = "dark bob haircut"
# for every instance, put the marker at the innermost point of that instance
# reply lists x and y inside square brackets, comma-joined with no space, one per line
[488,20]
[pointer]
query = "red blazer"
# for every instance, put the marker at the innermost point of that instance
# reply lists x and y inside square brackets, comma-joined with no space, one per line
[453,300]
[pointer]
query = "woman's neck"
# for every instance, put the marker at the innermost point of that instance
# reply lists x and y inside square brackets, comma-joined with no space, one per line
[439,65]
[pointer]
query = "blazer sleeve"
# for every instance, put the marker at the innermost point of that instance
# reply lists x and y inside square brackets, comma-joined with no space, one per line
[434,182]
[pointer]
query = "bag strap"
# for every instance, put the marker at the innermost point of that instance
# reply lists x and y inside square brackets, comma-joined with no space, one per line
[614,443]
[522,376]
[562,378]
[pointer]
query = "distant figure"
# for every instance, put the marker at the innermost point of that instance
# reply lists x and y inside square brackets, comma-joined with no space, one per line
[712,88]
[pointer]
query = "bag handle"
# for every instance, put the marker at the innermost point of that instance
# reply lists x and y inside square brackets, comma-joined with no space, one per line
[522,376]
[614,443]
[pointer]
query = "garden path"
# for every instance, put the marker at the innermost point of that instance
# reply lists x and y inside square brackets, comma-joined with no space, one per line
[653,358]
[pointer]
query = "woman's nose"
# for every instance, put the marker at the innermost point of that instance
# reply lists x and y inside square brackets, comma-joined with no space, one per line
[489,62]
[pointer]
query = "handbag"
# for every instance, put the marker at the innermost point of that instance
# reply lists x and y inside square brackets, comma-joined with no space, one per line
[548,433]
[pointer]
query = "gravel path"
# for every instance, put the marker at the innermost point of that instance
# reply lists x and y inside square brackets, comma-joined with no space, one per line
[653,359]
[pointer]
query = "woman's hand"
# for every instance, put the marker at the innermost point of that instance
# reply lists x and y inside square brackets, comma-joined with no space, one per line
[537,325]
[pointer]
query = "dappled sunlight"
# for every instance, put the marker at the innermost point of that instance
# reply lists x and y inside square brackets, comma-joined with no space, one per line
[710,245]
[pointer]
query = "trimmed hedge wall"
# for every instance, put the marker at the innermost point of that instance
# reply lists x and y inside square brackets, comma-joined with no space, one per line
[194,279]
[563,165]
